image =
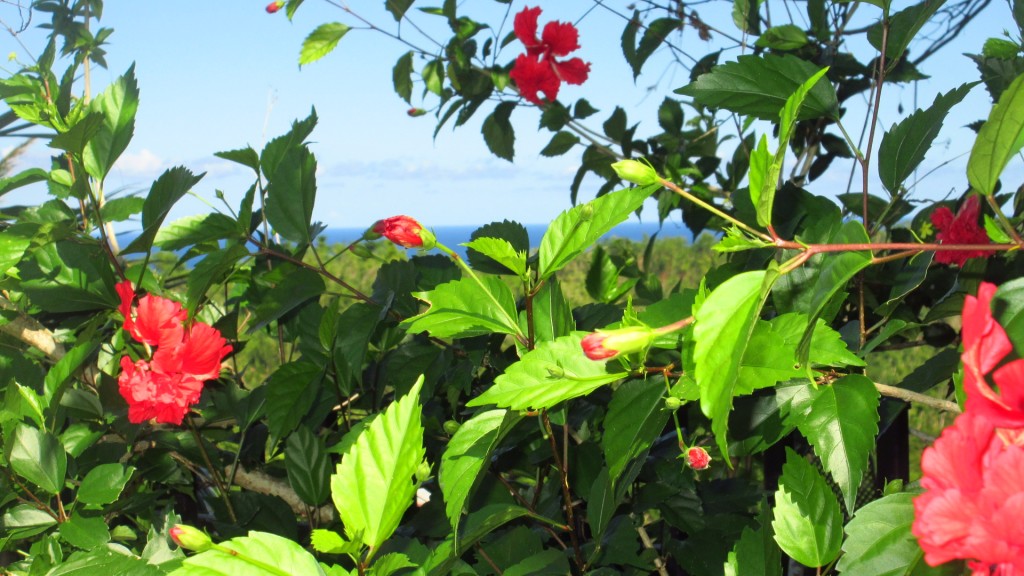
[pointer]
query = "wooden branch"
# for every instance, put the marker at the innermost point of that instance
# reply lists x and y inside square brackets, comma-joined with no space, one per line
[264,483]
[31,332]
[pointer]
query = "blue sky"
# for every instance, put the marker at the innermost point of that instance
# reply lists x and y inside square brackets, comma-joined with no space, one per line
[221,75]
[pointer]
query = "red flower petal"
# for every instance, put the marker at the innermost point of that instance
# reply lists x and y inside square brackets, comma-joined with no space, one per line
[158,321]
[560,38]
[574,71]
[534,77]
[525,27]
[960,229]
[127,295]
[401,230]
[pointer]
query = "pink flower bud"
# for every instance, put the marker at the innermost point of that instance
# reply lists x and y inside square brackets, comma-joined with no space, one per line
[275,6]
[605,344]
[404,231]
[414,112]
[190,538]
[698,458]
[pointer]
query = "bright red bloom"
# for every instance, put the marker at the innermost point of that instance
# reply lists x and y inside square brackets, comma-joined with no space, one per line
[404,231]
[156,321]
[198,356]
[960,229]
[275,6]
[985,346]
[973,478]
[698,458]
[153,395]
[538,71]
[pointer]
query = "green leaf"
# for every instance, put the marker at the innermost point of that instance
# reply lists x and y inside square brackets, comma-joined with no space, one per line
[38,457]
[765,199]
[467,455]
[292,388]
[210,271]
[655,34]
[121,209]
[321,41]
[1000,48]
[401,77]
[78,136]
[498,132]
[398,8]
[67,276]
[298,287]
[576,229]
[1018,13]
[109,560]
[807,521]
[1008,310]
[995,231]
[308,471]
[760,85]
[25,520]
[330,542]
[601,504]
[1000,137]
[244,156]
[279,147]
[903,26]
[231,558]
[755,554]
[59,374]
[904,146]
[291,193]
[560,143]
[722,328]
[478,525]
[502,252]
[165,192]
[785,37]
[636,417]
[85,532]
[512,232]
[192,230]
[104,483]
[547,375]
[23,178]
[879,541]
[118,105]
[464,308]
[552,314]
[840,421]
[375,481]
[389,564]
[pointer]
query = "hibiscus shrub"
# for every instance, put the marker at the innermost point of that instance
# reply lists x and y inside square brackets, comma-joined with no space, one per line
[216,386]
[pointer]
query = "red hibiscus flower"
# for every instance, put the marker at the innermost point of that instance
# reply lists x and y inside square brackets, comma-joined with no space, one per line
[605,344]
[165,388]
[973,478]
[539,71]
[960,229]
[985,346]
[404,231]
[698,458]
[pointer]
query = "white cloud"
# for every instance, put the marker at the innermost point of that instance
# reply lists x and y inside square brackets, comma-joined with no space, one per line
[143,163]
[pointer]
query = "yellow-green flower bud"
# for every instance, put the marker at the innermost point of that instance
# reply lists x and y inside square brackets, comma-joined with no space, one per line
[190,538]
[605,344]
[637,172]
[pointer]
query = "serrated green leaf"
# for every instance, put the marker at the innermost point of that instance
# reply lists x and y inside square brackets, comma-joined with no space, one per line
[501,251]
[807,521]
[578,228]
[560,143]
[23,178]
[512,232]
[879,541]
[636,416]
[295,289]
[468,453]
[292,388]
[389,564]
[1000,48]
[276,149]
[401,77]
[121,209]
[760,85]
[170,187]
[210,271]
[904,146]
[330,542]
[903,26]
[104,483]
[192,230]
[547,375]
[322,41]
[244,156]
[755,554]
[464,308]
[117,105]
[840,421]
[736,240]
[784,37]
[478,525]
[291,194]
[1000,137]
[110,560]
[269,549]
[37,456]
[499,135]
[68,276]
[307,466]
[722,329]
[375,481]
[552,314]
[85,532]
[78,136]
[655,34]
[433,77]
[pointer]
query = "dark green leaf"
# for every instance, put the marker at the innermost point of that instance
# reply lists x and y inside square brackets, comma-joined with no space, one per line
[69,277]
[85,532]
[1008,310]
[755,554]
[210,271]
[197,229]
[297,288]
[109,560]
[401,77]
[467,455]
[552,315]
[601,504]
[785,37]
[308,471]
[61,372]
[760,85]
[244,156]
[655,33]
[903,26]
[290,394]
[999,139]
[38,457]
[398,8]
[551,373]
[165,192]
[807,521]
[104,483]
[374,483]
[905,144]
[465,307]
[477,526]
[117,104]
[121,209]
[560,143]
[722,328]
[279,147]
[578,228]
[636,416]
[291,193]
[498,132]
[879,541]
[512,232]
[321,41]
[23,178]
[998,73]
[1018,13]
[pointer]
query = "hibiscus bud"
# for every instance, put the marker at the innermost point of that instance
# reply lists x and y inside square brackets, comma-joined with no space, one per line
[414,112]
[451,427]
[698,458]
[605,344]
[673,403]
[636,172]
[404,231]
[190,538]
[275,6]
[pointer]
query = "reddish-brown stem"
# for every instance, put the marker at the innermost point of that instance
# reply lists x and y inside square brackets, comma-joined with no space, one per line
[566,494]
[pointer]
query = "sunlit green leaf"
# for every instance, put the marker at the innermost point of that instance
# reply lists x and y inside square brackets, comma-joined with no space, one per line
[284,555]
[464,308]
[170,187]
[807,520]
[322,41]
[118,105]
[37,456]
[999,139]
[104,483]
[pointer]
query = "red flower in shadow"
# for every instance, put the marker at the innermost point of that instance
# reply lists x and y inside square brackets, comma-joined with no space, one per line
[985,346]
[539,71]
[960,229]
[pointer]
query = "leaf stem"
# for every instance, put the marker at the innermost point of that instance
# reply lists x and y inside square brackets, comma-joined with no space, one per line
[214,471]
[714,210]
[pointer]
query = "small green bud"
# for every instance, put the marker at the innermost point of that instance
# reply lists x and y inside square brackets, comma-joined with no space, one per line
[451,427]
[423,471]
[673,403]
[190,538]
[637,172]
